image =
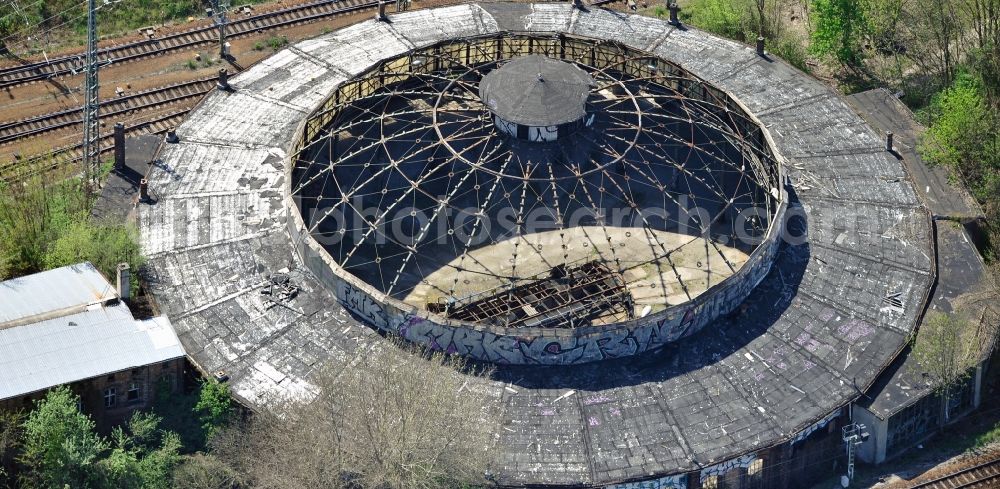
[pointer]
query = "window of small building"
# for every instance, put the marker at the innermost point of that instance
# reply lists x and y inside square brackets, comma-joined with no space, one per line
[167,381]
[912,423]
[710,482]
[960,397]
[133,394]
[754,476]
[110,397]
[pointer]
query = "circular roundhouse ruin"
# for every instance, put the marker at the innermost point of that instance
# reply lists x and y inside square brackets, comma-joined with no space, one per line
[564,199]
[674,250]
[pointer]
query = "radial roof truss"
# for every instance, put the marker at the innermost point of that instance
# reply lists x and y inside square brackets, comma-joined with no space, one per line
[411,133]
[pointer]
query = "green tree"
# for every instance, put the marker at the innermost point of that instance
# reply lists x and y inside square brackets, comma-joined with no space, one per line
[963,135]
[7,23]
[744,20]
[10,440]
[143,455]
[947,347]
[882,19]
[104,245]
[195,416]
[46,225]
[60,447]
[984,16]
[214,407]
[727,18]
[955,114]
[32,215]
[838,28]
[939,36]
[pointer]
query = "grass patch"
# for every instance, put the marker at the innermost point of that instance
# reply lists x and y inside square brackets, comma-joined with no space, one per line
[990,436]
[273,42]
[792,50]
[277,42]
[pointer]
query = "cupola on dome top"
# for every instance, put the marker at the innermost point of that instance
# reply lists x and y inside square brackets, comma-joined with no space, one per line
[537,98]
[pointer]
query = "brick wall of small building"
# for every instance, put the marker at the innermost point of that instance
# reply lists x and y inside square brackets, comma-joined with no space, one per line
[92,392]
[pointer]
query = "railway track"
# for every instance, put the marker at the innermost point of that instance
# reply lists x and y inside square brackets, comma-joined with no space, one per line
[73,64]
[19,170]
[984,475]
[300,14]
[112,109]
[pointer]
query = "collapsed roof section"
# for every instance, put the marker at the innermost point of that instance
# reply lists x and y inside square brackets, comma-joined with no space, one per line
[412,188]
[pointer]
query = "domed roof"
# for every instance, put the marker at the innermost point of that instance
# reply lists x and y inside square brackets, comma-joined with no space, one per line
[536,91]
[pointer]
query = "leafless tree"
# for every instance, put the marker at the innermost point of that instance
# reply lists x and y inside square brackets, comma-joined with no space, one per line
[203,471]
[985,19]
[935,30]
[388,421]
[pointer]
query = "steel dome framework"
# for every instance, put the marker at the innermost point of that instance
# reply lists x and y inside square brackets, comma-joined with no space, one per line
[402,172]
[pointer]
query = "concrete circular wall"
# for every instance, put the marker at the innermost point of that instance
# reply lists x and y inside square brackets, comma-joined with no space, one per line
[535,345]
[811,336]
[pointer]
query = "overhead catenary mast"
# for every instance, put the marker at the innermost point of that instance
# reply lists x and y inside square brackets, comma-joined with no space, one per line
[220,7]
[91,123]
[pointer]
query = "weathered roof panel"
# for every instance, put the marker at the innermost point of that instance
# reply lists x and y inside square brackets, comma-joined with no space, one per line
[52,291]
[423,27]
[812,326]
[79,346]
[291,76]
[535,17]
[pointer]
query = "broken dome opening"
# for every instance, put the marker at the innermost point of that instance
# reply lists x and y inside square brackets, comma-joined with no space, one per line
[659,188]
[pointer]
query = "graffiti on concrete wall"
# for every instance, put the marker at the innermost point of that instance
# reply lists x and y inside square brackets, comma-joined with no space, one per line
[668,482]
[549,348]
[720,470]
[463,341]
[484,345]
[362,304]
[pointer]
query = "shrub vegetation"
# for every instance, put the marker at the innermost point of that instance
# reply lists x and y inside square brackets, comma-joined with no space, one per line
[47,224]
[743,21]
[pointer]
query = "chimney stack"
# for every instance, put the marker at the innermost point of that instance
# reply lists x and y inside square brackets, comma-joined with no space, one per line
[888,141]
[124,289]
[223,79]
[380,16]
[143,190]
[119,145]
[673,13]
[760,46]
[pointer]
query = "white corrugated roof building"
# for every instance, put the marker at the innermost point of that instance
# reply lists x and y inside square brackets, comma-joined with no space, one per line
[68,324]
